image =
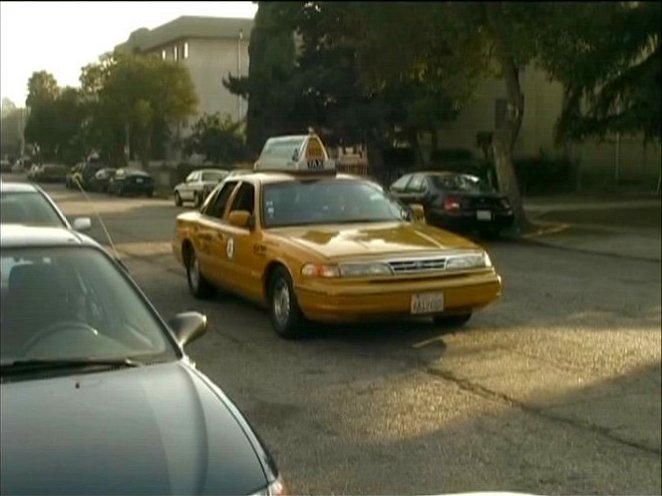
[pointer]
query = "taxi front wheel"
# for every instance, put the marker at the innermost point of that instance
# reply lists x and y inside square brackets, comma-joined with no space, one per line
[286,316]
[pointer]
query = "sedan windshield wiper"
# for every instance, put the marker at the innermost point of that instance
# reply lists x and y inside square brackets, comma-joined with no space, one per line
[34,365]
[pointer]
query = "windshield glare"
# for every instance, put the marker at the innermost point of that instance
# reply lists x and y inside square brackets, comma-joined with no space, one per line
[29,208]
[73,303]
[328,201]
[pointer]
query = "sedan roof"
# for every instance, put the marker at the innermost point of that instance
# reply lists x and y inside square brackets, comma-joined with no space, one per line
[19,236]
[10,187]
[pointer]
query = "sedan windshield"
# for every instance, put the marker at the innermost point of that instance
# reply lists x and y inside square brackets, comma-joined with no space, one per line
[328,201]
[74,304]
[29,208]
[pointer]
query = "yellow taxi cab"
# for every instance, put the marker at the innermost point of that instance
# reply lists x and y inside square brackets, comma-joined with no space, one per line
[315,245]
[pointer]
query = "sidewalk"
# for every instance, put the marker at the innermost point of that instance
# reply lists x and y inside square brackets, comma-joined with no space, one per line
[619,227]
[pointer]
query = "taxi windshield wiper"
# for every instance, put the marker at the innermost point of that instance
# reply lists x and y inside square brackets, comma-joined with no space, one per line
[35,365]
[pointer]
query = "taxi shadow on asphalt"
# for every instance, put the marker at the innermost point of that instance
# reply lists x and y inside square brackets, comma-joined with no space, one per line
[599,439]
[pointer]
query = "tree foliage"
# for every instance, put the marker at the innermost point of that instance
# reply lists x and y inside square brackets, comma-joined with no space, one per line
[135,98]
[608,58]
[218,138]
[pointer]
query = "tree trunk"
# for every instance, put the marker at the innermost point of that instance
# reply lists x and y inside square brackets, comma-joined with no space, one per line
[375,159]
[505,136]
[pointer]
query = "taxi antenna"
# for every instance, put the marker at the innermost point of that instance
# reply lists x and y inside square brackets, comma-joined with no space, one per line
[96,212]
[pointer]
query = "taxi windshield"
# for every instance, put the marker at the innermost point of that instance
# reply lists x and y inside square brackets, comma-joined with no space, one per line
[328,201]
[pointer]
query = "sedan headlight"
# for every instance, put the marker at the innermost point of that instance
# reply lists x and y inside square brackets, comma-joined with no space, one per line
[275,488]
[471,261]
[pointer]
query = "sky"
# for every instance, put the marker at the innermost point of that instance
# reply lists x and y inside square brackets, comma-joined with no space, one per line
[62,37]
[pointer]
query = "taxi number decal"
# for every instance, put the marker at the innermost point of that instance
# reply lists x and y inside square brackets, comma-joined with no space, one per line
[317,164]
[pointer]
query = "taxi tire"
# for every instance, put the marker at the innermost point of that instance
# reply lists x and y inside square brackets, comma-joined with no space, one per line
[293,327]
[452,320]
[204,289]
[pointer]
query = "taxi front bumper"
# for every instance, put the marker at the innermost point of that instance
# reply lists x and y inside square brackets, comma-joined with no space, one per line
[326,302]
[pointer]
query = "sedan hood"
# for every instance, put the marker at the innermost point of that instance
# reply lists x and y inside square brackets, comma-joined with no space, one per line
[158,429]
[384,238]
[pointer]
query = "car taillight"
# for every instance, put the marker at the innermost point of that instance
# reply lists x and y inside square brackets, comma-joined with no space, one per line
[451,203]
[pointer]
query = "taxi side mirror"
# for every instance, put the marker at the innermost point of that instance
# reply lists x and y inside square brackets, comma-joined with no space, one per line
[418,211]
[241,218]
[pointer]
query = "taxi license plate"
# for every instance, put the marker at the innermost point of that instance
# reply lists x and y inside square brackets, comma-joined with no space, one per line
[427,303]
[483,215]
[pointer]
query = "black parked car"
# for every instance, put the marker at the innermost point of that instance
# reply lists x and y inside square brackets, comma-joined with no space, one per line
[131,182]
[102,178]
[456,201]
[98,394]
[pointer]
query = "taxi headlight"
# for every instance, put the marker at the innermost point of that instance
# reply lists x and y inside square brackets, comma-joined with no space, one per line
[320,270]
[472,261]
[364,269]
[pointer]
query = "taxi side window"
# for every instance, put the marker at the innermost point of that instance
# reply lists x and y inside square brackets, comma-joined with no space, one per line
[217,206]
[244,199]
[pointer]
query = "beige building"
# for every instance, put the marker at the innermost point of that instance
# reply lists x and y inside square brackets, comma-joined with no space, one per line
[619,160]
[212,48]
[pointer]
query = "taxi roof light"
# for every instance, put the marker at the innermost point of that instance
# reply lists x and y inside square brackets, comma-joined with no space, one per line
[304,154]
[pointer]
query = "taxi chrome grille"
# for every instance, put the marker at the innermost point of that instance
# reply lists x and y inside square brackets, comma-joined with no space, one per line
[408,266]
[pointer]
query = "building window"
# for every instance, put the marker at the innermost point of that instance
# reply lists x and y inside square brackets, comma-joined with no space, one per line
[163,54]
[186,49]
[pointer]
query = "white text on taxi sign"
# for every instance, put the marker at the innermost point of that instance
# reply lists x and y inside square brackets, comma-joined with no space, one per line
[304,153]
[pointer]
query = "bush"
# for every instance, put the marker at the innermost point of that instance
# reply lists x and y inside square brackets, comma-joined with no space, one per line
[545,175]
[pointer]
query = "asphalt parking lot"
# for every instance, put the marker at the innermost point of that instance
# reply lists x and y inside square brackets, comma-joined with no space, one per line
[554,389]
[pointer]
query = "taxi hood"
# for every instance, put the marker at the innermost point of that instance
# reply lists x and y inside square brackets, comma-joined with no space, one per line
[383,238]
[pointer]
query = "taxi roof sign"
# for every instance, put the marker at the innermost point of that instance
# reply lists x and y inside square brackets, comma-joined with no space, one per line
[300,153]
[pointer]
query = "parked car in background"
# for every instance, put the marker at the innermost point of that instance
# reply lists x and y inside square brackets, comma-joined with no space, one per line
[455,201]
[102,178]
[131,182]
[5,165]
[98,394]
[33,171]
[73,174]
[50,173]
[198,185]
[28,204]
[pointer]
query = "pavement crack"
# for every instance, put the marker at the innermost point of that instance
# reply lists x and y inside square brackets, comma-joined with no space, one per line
[477,389]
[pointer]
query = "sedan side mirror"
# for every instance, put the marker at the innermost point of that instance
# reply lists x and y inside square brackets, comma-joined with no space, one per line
[82,224]
[418,211]
[241,218]
[188,326]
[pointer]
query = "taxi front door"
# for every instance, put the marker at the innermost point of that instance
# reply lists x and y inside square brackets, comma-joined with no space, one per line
[242,263]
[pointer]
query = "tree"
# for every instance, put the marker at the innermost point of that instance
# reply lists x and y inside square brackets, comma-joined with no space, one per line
[271,103]
[133,99]
[218,139]
[42,89]
[608,58]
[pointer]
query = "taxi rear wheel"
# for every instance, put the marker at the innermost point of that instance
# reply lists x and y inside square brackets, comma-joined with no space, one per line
[452,320]
[286,316]
[199,286]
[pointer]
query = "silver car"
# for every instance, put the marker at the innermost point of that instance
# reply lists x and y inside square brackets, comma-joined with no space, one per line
[28,204]
[198,185]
